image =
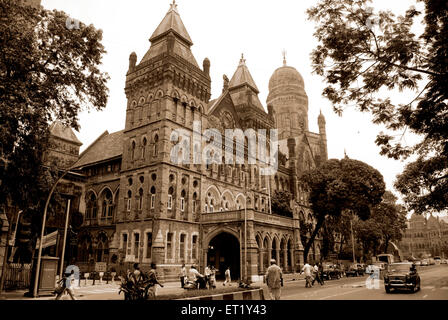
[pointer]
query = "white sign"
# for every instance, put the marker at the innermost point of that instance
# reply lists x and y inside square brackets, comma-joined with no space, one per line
[48,240]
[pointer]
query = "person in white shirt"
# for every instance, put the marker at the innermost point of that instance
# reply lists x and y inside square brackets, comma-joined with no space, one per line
[308,275]
[183,275]
[194,274]
[227,275]
[207,273]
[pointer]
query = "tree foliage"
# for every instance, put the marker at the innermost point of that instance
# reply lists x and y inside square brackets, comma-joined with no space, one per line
[342,185]
[364,55]
[47,72]
[281,203]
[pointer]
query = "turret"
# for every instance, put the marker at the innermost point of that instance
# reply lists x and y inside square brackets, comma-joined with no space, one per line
[323,135]
[206,66]
[132,61]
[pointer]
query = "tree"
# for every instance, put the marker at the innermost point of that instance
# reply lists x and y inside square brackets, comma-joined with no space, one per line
[47,72]
[281,203]
[362,55]
[390,219]
[342,185]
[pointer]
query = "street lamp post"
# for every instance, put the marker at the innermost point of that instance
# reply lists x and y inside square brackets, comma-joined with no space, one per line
[44,219]
[353,241]
[65,239]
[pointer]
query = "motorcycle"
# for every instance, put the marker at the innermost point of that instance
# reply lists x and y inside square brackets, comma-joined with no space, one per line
[200,283]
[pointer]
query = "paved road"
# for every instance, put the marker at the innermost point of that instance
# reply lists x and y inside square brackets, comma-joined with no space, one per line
[434,286]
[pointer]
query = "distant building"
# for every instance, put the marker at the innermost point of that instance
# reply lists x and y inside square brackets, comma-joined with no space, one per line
[425,237]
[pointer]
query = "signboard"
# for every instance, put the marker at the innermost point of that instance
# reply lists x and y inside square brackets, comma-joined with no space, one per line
[100,266]
[48,240]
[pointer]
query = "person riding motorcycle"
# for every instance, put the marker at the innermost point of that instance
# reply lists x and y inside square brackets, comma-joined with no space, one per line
[195,278]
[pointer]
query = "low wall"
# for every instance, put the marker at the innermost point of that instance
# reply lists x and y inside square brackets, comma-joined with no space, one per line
[256,294]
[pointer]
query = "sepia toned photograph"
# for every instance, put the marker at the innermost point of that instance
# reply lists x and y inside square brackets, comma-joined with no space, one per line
[248,151]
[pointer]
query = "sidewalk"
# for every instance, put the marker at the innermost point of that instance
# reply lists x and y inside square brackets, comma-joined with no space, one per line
[91,290]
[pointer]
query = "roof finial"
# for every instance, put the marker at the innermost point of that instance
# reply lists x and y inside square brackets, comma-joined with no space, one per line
[284,57]
[345,154]
[173,6]
[242,61]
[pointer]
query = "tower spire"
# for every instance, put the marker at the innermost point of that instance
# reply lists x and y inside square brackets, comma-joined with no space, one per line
[284,57]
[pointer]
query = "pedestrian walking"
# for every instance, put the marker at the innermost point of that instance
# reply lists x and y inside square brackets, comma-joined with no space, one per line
[228,278]
[321,273]
[66,284]
[274,280]
[213,277]
[316,275]
[153,281]
[308,275]
[183,275]
[207,274]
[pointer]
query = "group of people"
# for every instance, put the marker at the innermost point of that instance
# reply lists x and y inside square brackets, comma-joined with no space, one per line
[313,273]
[209,276]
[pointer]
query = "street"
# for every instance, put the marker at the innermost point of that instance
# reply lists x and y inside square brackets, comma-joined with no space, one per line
[434,286]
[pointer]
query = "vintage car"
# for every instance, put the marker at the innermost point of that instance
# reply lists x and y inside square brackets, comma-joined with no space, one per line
[355,270]
[401,276]
[425,262]
[330,271]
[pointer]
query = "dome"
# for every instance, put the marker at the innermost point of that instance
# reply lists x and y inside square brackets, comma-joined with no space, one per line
[286,76]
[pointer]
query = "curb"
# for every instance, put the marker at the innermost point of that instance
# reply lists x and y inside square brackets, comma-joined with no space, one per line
[256,294]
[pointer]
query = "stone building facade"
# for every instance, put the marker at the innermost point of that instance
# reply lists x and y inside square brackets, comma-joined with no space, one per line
[425,237]
[140,206]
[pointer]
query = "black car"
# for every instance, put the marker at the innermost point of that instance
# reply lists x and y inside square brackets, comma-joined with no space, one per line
[330,271]
[402,276]
[355,270]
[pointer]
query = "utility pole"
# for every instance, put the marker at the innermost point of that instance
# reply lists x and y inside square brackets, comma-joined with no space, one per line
[353,241]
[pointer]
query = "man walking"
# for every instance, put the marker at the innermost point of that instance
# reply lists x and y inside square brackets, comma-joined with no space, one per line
[228,279]
[153,281]
[207,273]
[316,275]
[183,275]
[307,270]
[274,280]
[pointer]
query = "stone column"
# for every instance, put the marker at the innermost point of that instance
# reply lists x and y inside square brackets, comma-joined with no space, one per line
[285,259]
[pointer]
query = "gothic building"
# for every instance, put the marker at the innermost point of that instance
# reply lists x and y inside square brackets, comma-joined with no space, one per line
[140,206]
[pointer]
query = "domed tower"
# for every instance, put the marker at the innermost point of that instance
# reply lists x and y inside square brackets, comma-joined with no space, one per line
[289,101]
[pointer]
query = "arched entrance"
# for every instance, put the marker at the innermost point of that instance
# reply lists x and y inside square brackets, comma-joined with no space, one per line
[223,252]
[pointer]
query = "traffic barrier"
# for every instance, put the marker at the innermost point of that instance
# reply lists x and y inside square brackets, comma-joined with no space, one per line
[256,294]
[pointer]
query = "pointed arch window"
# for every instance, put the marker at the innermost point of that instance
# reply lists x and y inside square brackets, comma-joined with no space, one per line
[144,144]
[170,198]
[156,142]
[133,146]
[129,201]
[140,199]
[153,197]
[91,211]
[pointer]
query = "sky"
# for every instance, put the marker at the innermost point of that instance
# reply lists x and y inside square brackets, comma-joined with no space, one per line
[222,31]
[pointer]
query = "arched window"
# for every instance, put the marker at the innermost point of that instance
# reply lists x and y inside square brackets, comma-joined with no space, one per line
[91,211]
[144,143]
[195,197]
[182,201]
[170,198]
[107,205]
[133,150]
[140,199]
[156,142]
[129,201]
[153,197]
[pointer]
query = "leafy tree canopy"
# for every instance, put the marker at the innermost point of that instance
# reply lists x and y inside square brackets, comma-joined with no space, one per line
[281,203]
[363,55]
[342,185]
[47,72]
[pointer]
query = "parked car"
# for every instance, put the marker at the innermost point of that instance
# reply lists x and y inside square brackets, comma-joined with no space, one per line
[330,271]
[417,262]
[355,270]
[431,261]
[402,276]
[425,262]
[444,261]
[437,260]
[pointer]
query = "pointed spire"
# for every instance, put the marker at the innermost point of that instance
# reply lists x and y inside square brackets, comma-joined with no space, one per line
[284,57]
[242,76]
[345,154]
[172,22]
